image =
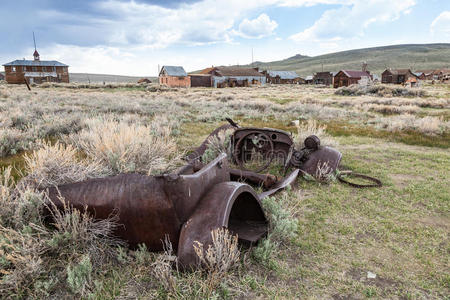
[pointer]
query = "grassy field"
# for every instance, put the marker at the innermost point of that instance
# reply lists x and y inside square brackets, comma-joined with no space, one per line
[416,57]
[327,240]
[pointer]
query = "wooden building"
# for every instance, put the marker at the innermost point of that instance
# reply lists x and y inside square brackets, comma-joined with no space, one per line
[201,80]
[348,77]
[36,71]
[398,76]
[424,74]
[325,78]
[282,77]
[234,76]
[174,76]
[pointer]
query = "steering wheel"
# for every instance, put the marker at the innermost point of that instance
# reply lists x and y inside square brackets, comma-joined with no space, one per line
[254,142]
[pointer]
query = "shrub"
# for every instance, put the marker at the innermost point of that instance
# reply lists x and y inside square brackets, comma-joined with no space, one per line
[220,143]
[283,224]
[124,148]
[79,275]
[311,127]
[221,255]
[58,164]
[379,90]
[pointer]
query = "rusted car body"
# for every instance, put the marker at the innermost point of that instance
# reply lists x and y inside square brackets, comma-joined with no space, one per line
[188,204]
[185,205]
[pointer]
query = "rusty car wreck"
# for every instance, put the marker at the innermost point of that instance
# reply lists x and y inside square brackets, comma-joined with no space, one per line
[188,204]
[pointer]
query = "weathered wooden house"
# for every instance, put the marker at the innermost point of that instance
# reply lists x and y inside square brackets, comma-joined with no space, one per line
[398,76]
[282,77]
[235,76]
[36,71]
[349,77]
[201,80]
[325,78]
[174,76]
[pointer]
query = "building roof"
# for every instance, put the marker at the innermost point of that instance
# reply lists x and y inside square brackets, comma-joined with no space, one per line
[42,63]
[174,71]
[399,71]
[355,74]
[309,77]
[283,74]
[426,72]
[236,71]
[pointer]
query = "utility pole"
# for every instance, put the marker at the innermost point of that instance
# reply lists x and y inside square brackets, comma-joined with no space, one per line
[252,57]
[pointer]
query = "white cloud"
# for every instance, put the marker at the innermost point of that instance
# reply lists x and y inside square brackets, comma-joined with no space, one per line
[441,25]
[351,21]
[257,28]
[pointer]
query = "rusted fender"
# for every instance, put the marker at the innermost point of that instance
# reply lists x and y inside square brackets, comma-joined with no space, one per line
[232,205]
[323,155]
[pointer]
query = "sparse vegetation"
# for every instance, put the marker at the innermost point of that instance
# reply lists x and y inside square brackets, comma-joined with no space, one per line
[323,239]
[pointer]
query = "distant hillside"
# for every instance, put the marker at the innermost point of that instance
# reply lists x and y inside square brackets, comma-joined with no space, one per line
[416,57]
[99,78]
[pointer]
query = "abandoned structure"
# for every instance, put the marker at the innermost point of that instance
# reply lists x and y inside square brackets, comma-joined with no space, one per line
[201,80]
[425,74]
[234,76]
[282,77]
[325,78]
[174,76]
[441,74]
[398,76]
[348,77]
[2,77]
[36,70]
[309,79]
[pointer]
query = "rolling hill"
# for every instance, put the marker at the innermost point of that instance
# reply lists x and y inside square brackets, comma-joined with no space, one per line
[414,56]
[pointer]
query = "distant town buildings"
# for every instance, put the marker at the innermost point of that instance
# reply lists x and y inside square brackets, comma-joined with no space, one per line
[397,76]
[282,77]
[36,71]
[174,76]
[349,77]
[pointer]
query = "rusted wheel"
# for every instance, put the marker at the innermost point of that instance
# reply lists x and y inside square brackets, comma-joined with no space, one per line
[251,144]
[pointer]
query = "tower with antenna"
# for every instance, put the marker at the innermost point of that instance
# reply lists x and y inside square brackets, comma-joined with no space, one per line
[35,54]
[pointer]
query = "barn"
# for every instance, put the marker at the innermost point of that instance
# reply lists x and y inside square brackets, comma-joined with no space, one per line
[325,78]
[234,76]
[36,71]
[282,77]
[398,76]
[174,76]
[348,77]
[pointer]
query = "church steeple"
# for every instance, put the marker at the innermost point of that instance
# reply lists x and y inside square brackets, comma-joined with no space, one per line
[35,54]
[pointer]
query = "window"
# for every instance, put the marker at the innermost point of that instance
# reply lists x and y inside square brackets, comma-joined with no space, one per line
[33,69]
[13,69]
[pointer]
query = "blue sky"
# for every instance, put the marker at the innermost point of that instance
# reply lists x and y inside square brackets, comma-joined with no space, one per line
[134,37]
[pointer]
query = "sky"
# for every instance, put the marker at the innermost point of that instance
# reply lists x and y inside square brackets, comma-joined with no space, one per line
[134,37]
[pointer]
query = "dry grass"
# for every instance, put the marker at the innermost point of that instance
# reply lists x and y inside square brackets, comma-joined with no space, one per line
[220,143]
[59,164]
[321,238]
[122,148]
[311,127]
